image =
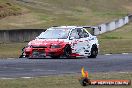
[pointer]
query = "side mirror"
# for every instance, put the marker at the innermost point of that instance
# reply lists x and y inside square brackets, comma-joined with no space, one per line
[37,37]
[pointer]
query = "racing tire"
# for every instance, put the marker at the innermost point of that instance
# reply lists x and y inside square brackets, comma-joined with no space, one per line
[94,52]
[67,51]
[24,56]
[21,56]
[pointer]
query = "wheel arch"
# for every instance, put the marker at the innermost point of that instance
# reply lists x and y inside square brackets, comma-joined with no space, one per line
[68,45]
[95,46]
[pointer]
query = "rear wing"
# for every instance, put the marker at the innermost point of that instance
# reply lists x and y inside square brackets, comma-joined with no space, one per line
[86,26]
[90,29]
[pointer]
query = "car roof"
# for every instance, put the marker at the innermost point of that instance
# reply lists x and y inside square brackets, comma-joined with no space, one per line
[72,27]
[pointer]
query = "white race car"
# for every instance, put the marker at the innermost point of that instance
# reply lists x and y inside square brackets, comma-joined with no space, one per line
[68,41]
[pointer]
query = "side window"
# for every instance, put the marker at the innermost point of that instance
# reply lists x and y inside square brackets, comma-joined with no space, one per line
[74,34]
[82,33]
[85,33]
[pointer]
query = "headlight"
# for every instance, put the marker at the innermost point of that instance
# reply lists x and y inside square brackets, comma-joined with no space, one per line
[55,46]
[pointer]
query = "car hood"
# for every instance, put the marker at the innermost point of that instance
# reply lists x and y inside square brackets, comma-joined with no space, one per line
[45,42]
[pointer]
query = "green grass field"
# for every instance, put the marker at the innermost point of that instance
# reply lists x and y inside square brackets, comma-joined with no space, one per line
[63,81]
[46,13]
[118,41]
[11,50]
[9,9]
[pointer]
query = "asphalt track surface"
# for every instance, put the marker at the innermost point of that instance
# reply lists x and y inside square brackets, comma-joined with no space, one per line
[42,67]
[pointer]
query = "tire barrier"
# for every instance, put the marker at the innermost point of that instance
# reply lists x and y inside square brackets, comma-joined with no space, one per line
[19,35]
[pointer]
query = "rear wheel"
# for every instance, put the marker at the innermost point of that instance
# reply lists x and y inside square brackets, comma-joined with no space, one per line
[94,52]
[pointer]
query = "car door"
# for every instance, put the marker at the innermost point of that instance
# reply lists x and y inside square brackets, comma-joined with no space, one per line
[79,39]
[85,43]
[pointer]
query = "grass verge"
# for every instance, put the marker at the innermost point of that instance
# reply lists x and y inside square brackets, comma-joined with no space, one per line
[118,41]
[63,81]
[9,9]
[46,13]
[11,50]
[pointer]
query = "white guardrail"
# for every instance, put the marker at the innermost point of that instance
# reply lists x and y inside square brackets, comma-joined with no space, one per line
[102,28]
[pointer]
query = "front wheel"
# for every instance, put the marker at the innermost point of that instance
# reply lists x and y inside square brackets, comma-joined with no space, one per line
[94,52]
[67,51]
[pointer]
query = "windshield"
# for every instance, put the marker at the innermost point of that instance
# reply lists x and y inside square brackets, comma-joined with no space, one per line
[58,33]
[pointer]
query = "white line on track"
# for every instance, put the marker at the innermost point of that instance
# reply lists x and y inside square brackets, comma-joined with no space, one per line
[26,77]
[4,78]
[7,78]
[124,72]
[125,53]
[108,54]
[10,58]
[51,70]
[43,70]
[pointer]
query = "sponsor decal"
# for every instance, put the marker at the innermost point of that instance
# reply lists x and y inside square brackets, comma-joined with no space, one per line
[85,81]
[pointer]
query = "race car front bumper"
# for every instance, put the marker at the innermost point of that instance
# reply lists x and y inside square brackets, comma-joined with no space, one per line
[43,52]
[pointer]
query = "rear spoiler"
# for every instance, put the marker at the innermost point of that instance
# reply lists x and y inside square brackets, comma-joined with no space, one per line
[93,27]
